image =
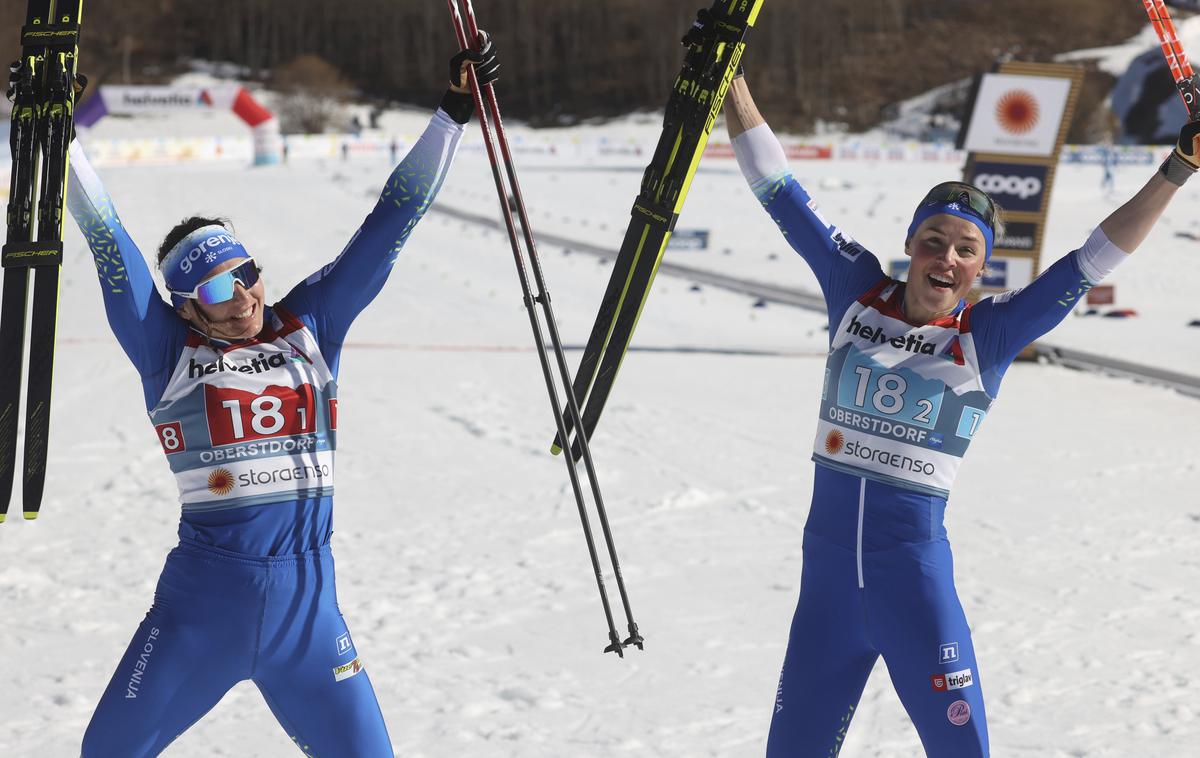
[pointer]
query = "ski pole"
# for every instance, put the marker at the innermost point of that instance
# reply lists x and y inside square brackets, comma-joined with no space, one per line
[543,298]
[1186,80]
[615,643]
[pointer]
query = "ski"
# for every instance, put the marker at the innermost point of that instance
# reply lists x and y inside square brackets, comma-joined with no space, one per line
[709,66]
[1187,81]
[42,123]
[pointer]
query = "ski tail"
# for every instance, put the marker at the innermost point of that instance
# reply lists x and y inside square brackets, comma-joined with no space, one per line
[1187,81]
[699,91]
[614,299]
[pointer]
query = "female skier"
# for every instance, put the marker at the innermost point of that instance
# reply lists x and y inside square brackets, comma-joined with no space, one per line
[243,397]
[911,373]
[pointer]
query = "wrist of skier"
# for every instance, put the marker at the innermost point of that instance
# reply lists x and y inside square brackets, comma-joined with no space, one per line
[458,105]
[1184,160]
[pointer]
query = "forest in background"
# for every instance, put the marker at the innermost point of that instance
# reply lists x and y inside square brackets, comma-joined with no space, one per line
[837,61]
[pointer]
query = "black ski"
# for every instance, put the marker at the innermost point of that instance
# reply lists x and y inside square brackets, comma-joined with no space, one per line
[709,66]
[42,123]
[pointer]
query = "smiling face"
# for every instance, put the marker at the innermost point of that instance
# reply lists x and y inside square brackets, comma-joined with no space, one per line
[239,318]
[947,254]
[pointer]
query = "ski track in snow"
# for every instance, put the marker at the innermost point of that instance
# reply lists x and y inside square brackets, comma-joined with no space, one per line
[463,573]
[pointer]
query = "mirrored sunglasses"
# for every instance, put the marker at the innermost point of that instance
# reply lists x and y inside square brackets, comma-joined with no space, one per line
[220,288]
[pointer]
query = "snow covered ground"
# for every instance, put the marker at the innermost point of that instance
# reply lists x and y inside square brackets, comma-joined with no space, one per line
[463,573]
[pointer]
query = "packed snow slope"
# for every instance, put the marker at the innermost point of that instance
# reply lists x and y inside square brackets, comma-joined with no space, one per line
[463,574]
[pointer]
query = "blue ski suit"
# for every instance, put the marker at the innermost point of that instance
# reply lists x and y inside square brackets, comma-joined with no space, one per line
[901,403]
[249,430]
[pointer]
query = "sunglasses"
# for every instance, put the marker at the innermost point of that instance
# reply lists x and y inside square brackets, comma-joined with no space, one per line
[220,288]
[972,200]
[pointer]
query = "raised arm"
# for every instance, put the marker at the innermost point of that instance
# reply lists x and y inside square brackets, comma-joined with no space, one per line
[147,329]
[334,296]
[844,268]
[1129,225]
[741,114]
[1004,325]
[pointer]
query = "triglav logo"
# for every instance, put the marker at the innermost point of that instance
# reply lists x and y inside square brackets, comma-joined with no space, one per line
[955,680]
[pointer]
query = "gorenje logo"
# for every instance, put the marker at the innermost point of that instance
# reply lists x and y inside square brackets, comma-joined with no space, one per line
[211,243]
[913,343]
[1014,186]
[253,366]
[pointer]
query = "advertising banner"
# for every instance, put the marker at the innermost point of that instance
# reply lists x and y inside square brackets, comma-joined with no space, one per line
[1018,115]
[1014,186]
[1008,273]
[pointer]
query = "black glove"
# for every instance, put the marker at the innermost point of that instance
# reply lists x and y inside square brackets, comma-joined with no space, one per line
[458,101]
[700,28]
[1184,160]
[487,67]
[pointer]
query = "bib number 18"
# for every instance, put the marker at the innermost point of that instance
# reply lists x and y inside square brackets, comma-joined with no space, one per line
[237,416]
[890,395]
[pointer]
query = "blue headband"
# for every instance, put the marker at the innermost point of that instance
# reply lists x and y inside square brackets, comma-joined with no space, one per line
[954,209]
[194,257]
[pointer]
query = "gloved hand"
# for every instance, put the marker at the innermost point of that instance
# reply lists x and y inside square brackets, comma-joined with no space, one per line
[1184,160]
[1188,146]
[457,101]
[487,67]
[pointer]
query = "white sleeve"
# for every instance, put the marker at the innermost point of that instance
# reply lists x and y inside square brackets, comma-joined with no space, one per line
[1099,256]
[759,154]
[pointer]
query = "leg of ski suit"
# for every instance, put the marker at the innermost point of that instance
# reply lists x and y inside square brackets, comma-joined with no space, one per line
[220,618]
[878,580]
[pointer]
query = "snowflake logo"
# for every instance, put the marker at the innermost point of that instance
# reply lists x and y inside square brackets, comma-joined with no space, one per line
[951,206]
[210,257]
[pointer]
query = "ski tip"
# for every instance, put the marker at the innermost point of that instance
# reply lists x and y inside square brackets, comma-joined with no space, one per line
[2,517]
[555,449]
[30,515]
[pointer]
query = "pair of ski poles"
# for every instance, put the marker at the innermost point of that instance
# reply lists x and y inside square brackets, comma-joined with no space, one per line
[468,38]
[1186,80]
